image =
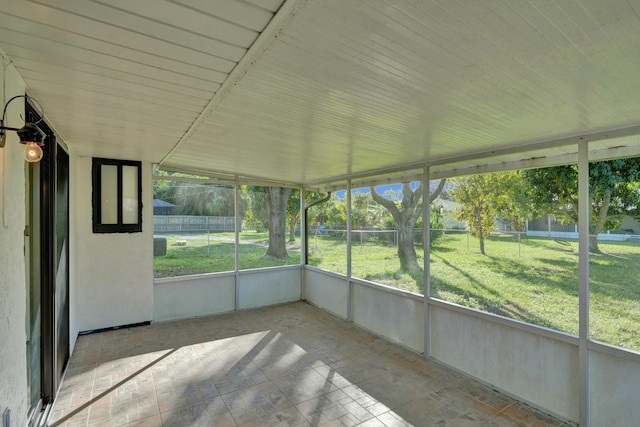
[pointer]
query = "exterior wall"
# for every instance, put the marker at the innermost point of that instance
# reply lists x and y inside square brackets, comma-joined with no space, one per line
[328,291]
[395,315]
[113,272]
[13,299]
[615,387]
[533,364]
[203,295]
[193,296]
[630,225]
[258,288]
[535,367]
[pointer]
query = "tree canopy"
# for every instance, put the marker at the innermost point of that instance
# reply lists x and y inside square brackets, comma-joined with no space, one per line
[405,211]
[614,190]
[196,198]
[487,196]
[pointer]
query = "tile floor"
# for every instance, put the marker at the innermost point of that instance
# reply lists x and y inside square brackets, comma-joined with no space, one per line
[289,365]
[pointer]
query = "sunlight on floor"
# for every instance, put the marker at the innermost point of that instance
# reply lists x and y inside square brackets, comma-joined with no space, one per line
[289,365]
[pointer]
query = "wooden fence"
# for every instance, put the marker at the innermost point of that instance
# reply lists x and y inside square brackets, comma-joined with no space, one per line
[192,224]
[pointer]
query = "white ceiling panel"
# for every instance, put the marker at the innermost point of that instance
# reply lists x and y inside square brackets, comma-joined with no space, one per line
[348,87]
[126,79]
[311,91]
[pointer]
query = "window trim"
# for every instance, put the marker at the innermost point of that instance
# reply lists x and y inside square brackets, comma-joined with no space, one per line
[119,227]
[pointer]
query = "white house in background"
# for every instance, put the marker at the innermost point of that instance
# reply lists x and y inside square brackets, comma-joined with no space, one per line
[448,214]
[552,226]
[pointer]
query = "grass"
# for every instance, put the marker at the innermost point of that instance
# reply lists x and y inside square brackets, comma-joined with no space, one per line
[534,280]
[216,254]
[539,286]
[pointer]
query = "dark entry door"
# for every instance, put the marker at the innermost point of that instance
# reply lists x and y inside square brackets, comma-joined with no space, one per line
[60,273]
[48,268]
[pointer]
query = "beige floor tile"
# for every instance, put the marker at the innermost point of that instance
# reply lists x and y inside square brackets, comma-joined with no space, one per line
[288,365]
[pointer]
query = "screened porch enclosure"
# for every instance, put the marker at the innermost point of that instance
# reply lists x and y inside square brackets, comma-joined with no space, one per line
[419,122]
[527,346]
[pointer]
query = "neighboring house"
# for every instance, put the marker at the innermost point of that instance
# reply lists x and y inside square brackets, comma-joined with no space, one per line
[551,226]
[160,207]
[448,210]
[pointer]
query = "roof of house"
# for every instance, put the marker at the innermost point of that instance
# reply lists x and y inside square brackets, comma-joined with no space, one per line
[157,203]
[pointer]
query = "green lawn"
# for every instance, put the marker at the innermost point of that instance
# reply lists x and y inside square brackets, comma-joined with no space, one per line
[534,280]
[216,253]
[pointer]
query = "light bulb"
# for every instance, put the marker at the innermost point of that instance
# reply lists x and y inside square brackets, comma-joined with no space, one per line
[33,153]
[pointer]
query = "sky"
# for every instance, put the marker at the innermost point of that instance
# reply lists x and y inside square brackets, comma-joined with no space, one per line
[381,189]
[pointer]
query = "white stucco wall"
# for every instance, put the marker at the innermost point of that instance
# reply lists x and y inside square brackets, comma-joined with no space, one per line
[329,291]
[193,296]
[615,390]
[269,286]
[113,272]
[393,314]
[13,296]
[535,367]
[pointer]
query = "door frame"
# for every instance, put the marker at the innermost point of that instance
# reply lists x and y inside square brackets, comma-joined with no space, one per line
[54,349]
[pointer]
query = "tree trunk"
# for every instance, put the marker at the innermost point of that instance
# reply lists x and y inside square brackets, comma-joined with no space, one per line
[292,228]
[480,231]
[277,212]
[599,225]
[438,190]
[406,248]
[593,244]
[405,218]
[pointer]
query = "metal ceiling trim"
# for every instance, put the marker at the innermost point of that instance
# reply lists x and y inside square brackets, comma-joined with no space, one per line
[231,178]
[270,33]
[199,173]
[606,153]
[367,174]
[190,179]
[532,163]
[541,145]
[442,168]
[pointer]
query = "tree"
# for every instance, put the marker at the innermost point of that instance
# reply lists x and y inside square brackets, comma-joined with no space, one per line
[614,191]
[405,214]
[293,213]
[268,208]
[194,197]
[319,214]
[436,226]
[276,199]
[336,212]
[256,214]
[293,209]
[165,190]
[516,208]
[205,199]
[483,198]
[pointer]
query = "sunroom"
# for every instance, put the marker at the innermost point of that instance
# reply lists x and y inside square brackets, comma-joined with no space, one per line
[322,128]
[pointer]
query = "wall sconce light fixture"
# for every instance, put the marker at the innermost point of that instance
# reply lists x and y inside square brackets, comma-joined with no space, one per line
[30,135]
